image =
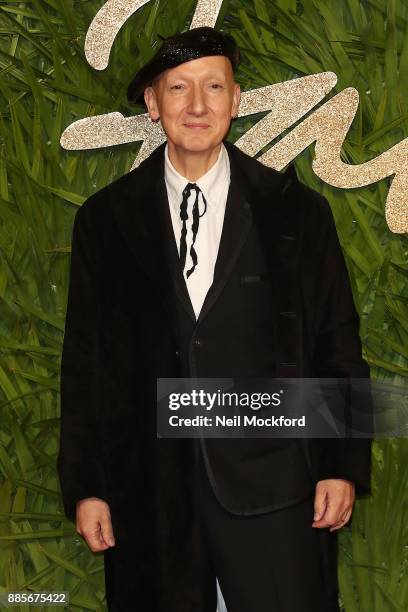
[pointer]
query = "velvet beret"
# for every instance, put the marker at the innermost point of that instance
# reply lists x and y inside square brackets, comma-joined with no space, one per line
[179,48]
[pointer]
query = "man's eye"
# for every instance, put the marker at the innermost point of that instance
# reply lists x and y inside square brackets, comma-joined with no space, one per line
[216,85]
[177,86]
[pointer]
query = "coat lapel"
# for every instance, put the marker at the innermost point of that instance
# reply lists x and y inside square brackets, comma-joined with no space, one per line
[170,246]
[140,206]
[256,196]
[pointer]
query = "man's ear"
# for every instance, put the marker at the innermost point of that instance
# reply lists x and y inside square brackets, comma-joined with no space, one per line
[236,100]
[151,103]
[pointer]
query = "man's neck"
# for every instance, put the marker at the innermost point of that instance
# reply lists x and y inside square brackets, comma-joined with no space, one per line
[192,164]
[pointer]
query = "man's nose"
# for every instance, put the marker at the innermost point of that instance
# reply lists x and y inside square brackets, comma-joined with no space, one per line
[197,101]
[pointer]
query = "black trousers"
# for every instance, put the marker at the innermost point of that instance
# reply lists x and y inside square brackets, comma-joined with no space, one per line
[274,562]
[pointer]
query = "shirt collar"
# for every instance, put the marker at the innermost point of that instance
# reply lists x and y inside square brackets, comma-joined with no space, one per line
[211,183]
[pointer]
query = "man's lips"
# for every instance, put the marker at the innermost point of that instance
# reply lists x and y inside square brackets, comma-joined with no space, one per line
[197,126]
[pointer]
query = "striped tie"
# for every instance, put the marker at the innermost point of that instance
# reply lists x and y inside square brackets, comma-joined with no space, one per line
[196,219]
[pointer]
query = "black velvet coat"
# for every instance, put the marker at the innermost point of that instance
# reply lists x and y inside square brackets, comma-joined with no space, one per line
[121,335]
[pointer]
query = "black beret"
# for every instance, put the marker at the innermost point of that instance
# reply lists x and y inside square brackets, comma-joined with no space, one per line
[180,48]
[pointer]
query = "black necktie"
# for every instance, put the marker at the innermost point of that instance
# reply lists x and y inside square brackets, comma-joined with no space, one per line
[196,219]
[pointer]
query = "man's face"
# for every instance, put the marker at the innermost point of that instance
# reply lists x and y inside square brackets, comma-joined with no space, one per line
[195,102]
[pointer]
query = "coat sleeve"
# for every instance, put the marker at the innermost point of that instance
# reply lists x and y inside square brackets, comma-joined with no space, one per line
[79,466]
[338,354]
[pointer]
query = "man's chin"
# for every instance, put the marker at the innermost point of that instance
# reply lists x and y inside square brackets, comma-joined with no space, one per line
[197,144]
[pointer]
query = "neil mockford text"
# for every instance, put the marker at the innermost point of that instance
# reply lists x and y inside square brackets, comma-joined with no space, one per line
[207,400]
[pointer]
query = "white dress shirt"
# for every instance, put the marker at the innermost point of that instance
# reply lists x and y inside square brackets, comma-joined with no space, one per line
[214,185]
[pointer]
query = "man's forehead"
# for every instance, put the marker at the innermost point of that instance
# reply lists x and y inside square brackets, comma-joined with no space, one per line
[211,65]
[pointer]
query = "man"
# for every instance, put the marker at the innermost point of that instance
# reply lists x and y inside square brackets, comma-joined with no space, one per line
[203,262]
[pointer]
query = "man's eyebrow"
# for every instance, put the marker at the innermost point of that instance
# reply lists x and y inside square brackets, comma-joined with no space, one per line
[210,75]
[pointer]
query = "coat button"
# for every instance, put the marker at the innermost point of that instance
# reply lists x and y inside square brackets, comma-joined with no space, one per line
[198,342]
[177,353]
